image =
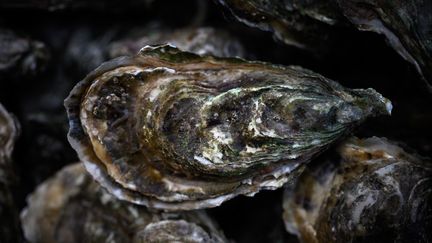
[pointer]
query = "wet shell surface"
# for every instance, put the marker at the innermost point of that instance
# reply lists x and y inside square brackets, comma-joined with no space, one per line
[313,24]
[72,207]
[9,222]
[375,192]
[174,130]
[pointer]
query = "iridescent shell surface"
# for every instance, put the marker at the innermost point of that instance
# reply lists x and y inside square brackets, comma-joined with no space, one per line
[72,207]
[9,223]
[174,130]
[375,192]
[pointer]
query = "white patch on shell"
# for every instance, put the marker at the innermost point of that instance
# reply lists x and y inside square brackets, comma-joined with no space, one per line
[220,136]
[176,187]
[251,150]
[202,160]
[212,152]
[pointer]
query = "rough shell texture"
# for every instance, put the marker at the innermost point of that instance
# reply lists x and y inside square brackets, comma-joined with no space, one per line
[174,130]
[376,192]
[309,24]
[21,56]
[203,40]
[304,24]
[9,223]
[71,207]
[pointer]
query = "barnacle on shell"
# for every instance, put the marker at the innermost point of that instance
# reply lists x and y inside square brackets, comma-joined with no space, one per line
[9,223]
[72,207]
[174,130]
[375,192]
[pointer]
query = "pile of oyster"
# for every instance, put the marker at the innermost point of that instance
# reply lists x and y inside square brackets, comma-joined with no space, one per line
[191,124]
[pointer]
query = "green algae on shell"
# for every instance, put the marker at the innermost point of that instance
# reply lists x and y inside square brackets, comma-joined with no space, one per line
[374,192]
[174,130]
[72,207]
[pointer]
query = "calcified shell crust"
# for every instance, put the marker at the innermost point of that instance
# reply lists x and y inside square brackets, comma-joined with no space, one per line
[174,130]
[9,223]
[376,192]
[71,207]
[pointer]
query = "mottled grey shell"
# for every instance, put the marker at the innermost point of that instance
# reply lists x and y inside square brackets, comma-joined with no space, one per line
[312,24]
[376,192]
[21,56]
[9,222]
[70,207]
[201,41]
[174,130]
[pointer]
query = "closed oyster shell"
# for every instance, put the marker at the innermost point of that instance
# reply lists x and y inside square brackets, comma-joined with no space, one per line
[174,130]
[71,207]
[199,40]
[311,24]
[376,192]
[10,230]
[303,24]
[21,56]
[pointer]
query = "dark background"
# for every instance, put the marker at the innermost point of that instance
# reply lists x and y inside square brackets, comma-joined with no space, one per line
[356,59]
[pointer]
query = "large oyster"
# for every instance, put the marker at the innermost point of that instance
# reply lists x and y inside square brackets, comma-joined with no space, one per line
[174,130]
[376,192]
[71,207]
[9,223]
[405,24]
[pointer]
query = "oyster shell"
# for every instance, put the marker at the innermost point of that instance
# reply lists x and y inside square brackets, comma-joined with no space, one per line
[21,56]
[304,24]
[310,24]
[377,192]
[10,230]
[71,207]
[202,40]
[174,130]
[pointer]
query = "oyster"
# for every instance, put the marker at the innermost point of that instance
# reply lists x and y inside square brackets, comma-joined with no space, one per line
[71,207]
[376,192]
[202,40]
[9,223]
[309,24]
[174,130]
[304,24]
[21,56]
